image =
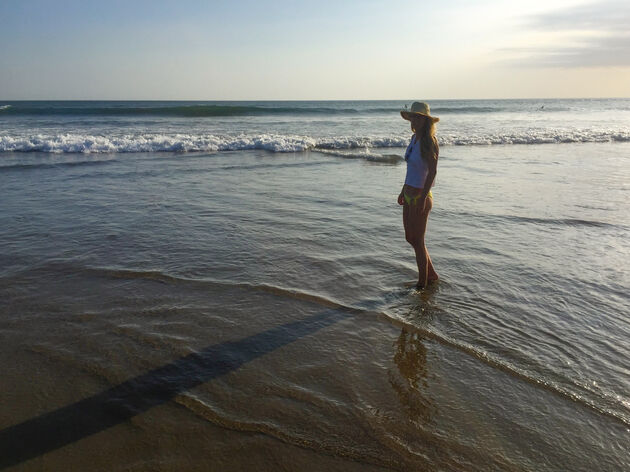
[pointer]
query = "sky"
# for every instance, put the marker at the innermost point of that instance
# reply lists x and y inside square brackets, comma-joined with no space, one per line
[313,50]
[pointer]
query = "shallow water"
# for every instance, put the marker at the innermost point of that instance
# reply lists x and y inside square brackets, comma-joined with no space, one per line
[166,311]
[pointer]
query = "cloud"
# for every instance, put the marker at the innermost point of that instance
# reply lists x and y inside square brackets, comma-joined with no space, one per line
[609,16]
[599,35]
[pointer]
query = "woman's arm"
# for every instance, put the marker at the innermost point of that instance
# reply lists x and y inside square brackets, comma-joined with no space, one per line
[426,188]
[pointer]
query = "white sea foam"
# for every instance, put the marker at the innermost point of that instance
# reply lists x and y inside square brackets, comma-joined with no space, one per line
[130,143]
[539,136]
[357,142]
[75,143]
[5,107]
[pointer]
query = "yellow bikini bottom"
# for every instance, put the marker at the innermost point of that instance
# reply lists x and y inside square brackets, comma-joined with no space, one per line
[413,200]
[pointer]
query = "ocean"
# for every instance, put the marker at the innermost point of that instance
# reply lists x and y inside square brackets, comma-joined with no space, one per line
[181,282]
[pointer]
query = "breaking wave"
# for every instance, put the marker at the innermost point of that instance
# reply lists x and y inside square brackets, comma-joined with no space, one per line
[76,143]
[156,142]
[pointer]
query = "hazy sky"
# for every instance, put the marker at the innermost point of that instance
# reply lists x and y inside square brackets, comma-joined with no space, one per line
[289,49]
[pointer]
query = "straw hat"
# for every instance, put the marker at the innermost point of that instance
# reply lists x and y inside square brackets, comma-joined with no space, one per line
[418,108]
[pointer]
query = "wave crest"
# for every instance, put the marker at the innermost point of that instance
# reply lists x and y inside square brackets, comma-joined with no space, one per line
[71,143]
[156,142]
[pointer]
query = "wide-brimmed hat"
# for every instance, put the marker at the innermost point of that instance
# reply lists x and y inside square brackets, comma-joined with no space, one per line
[418,108]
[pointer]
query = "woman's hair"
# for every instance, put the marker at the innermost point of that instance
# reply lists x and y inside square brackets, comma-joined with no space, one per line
[429,148]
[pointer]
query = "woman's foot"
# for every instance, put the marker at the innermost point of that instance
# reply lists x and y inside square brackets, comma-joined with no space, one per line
[430,280]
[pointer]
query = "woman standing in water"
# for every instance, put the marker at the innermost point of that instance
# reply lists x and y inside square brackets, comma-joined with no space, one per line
[415,196]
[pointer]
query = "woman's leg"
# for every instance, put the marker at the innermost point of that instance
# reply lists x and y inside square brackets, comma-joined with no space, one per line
[411,217]
[432,275]
[422,256]
[415,221]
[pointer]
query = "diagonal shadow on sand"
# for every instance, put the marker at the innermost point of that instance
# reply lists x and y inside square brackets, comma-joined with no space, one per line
[118,404]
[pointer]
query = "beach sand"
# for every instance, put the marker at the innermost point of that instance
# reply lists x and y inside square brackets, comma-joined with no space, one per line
[214,387]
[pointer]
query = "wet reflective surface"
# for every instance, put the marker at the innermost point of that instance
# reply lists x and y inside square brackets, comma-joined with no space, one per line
[168,312]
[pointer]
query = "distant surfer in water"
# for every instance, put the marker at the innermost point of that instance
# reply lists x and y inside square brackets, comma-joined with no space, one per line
[416,197]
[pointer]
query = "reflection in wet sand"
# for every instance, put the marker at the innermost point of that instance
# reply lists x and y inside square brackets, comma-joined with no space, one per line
[411,379]
[410,382]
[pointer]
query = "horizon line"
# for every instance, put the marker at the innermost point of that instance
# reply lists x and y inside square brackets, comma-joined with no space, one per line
[294,99]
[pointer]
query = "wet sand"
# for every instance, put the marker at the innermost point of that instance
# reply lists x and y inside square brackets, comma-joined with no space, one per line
[295,382]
